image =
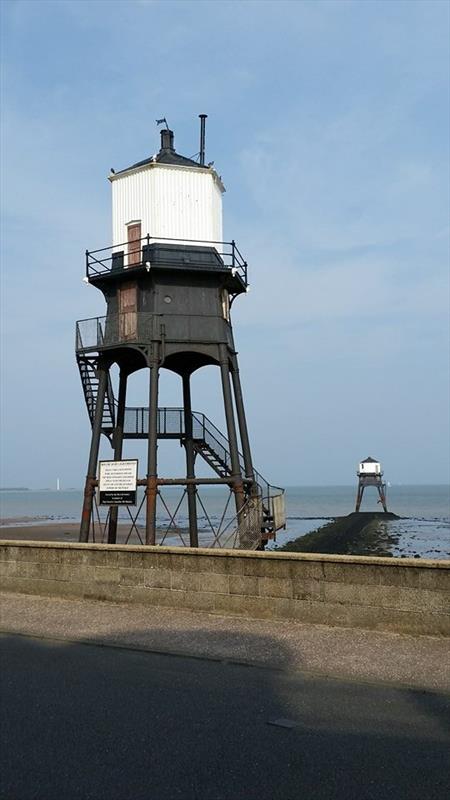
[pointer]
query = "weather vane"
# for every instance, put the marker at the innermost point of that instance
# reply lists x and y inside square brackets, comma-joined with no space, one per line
[162,121]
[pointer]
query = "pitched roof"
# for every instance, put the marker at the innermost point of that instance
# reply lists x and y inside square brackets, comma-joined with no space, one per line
[166,155]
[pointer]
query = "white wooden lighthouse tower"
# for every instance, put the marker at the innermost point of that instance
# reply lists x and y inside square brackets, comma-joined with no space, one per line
[169,281]
[370,474]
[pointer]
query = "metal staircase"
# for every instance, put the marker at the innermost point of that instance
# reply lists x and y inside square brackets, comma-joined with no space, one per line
[89,381]
[211,458]
[209,442]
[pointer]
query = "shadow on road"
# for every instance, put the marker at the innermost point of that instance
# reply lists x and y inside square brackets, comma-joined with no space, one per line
[83,721]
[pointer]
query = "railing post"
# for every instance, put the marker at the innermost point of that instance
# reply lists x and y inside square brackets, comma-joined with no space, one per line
[87,263]
[233,253]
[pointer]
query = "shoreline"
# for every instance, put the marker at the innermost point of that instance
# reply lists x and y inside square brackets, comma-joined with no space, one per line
[366,533]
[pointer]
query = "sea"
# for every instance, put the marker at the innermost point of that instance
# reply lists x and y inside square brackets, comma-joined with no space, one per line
[423,529]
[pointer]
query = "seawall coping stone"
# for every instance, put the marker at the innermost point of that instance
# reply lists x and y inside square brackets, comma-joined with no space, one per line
[191,552]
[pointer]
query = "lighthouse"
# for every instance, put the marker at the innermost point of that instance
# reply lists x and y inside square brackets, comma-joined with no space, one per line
[370,474]
[169,281]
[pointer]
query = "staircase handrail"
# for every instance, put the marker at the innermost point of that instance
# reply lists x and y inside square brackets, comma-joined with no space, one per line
[264,485]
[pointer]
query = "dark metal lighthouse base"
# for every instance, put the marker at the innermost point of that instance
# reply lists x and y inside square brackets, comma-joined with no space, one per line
[369,480]
[170,309]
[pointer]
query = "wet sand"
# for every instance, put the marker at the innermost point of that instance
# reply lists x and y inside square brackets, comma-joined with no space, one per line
[60,532]
[30,530]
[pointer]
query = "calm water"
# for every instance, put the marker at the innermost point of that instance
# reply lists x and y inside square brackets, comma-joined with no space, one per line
[424,528]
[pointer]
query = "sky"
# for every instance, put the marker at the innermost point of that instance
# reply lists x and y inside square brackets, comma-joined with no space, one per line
[329,123]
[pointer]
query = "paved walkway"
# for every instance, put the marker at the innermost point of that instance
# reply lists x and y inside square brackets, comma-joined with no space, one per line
[399,660]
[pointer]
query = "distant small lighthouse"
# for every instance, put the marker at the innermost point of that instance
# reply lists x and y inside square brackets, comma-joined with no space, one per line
[370,474]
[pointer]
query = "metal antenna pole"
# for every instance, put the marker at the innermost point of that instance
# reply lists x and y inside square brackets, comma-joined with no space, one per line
[203,118]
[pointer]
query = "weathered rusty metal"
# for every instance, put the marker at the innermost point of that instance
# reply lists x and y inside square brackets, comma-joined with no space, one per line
[150,522]
[118,444]
[190,461]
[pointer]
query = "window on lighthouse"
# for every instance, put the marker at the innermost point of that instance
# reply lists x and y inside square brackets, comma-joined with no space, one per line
[225,305]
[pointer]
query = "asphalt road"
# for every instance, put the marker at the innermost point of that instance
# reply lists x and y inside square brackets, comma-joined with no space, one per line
[104,723]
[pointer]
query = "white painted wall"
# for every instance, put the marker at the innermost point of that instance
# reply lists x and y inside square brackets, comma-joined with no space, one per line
[170,201]
[370,468]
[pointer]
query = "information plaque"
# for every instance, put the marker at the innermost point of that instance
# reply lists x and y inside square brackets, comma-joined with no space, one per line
[117,482]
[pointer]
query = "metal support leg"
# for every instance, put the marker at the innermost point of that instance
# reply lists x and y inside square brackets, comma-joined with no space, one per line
[118,444]
[190,462]
[359,496]
[242,422]
[236,476]
[89,487]
[150,522]
[382,494]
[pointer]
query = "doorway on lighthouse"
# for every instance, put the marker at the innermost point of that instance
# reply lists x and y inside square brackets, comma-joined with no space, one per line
[134,243]
[128,311]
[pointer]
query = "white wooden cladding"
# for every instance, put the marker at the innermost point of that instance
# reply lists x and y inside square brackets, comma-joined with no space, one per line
[169,201]
[370,468]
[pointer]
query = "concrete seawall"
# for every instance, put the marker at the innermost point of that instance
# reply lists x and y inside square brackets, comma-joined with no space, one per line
[401,595]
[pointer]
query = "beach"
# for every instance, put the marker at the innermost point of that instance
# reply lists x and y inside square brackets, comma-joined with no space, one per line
[30,531]
[421,527]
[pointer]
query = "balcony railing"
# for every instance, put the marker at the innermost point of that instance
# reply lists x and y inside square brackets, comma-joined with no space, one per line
[142,252]
[141,327]
[114,329]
